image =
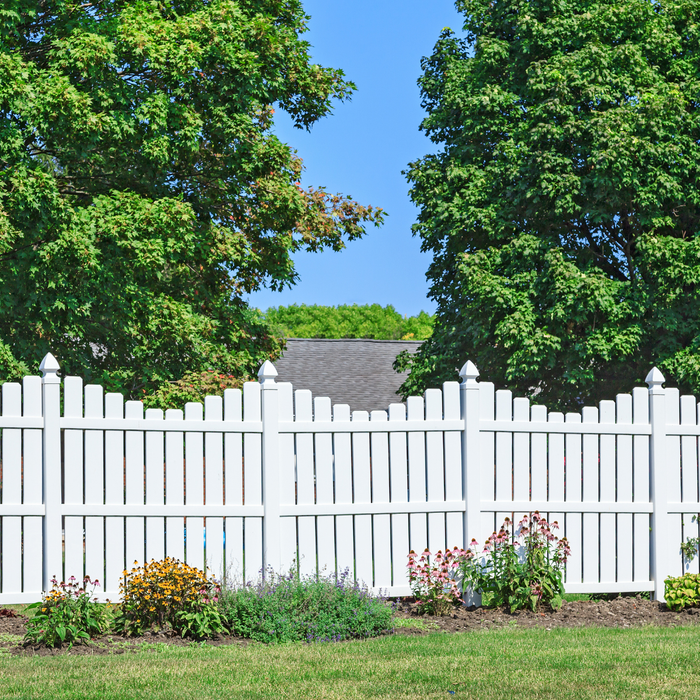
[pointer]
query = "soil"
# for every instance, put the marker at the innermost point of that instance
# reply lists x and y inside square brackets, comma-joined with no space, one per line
[622,612]
[632,611]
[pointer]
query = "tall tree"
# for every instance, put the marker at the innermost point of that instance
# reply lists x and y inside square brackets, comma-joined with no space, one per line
[142,191]
[563,209]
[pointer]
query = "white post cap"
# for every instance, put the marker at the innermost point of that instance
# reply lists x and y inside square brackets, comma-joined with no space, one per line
[469,373]
[267,373]
[654,378]
[49,367]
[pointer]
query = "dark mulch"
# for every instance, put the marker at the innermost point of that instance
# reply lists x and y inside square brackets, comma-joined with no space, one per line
[621,612]
[629,611]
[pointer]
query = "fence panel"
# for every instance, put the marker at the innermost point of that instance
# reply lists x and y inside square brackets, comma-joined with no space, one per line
[354,491]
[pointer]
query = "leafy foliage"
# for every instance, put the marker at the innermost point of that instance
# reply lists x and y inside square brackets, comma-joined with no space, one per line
[520,568]
[348,321]
[67,614]
[682,592]
[142,190]
[690,547]
[194,386]
[286,608]
[434,583]
[169,592]
[562,209]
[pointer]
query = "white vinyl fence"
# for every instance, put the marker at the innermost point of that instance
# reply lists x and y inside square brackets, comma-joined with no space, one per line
[266,475]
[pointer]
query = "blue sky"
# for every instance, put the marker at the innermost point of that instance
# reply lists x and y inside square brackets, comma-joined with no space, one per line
[361,149]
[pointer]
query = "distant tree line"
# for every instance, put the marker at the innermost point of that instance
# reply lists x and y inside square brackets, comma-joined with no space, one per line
[348,321]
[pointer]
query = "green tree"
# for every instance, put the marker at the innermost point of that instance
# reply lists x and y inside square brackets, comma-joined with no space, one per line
[348,321]
[563,209]
[142,191]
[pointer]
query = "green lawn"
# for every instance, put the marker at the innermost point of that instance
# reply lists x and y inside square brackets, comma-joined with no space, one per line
[509,663]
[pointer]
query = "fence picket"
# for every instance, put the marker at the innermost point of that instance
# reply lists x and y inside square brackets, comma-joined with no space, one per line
[673,483]
[381,527]
[11,489]
[32,489]
[134,465]
[487,456]
[454,522]
[608,534]
[572,526]
[94,485]
[233,486]
[175,486]
[325,524]
[624,492]
[114,495]
[362,488]
[591,494]
[306,487]
[155,487]
[252,481]
[288,534]
[214,488]
[73,479]
[418,522]
[398,461]
[556,473]
[194,486]
[435,470]
[345,539]
[640,486]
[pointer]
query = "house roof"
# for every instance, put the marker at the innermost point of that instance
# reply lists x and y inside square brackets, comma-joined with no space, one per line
[351,371]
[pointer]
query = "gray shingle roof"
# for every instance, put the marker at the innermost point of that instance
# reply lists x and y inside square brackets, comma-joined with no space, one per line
[350,371]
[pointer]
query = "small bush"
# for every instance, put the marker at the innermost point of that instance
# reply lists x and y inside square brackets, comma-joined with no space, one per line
[521,566]
[169,593]
[682,592]
[67,615]
[433,582]
[291,608]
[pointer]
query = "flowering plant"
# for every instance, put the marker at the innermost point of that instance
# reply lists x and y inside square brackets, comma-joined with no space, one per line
[520,568]
[314,608]
[67,614]
[169,592]
[433,581]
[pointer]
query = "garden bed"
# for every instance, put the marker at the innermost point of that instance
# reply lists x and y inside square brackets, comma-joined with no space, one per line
[620,612]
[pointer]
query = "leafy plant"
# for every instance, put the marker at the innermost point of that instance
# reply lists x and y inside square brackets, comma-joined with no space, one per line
[691,545]
[433,580]
[169,593]
[520,569]
[194,386]
[143,190]
[290,607]
[560,203]
[682,591]
[67,614]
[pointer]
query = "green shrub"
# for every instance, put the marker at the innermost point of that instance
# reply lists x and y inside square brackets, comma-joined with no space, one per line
[194,386]
[520,567]
[682,592]
[67,615]
[171,593]
[290,608]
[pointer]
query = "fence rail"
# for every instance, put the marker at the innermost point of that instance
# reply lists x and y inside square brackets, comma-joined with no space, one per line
[267,475]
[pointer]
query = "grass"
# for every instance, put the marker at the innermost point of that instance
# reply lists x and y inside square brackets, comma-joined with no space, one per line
[504,664]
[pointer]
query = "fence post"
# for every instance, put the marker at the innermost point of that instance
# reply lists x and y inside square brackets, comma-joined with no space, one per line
[270,469]
[659,514]
[51,472]
[471,467]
